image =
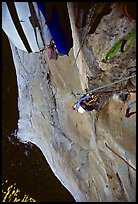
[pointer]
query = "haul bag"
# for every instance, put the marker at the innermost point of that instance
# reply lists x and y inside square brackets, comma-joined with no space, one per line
[58,22]
[25,26]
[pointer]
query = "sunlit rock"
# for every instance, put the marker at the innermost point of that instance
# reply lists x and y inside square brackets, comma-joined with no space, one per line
[92,154]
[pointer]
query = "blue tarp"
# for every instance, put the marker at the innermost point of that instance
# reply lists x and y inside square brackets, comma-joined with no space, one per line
[57,20]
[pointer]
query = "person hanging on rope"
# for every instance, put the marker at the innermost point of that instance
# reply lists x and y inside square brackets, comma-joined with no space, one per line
[87,103]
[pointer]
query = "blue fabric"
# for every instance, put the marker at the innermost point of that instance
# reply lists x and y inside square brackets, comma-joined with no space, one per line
[80,100]
[131,105]
[128,114]
[42,8]
[57,20]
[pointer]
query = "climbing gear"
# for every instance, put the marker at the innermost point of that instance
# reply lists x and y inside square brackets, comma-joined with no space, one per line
[78,104]
[107,85]
[129,39]
[86,103]
[128,114]
[91,13]
[92,24]
[93,99]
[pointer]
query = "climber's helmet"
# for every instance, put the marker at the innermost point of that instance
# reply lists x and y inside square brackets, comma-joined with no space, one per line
[79,109]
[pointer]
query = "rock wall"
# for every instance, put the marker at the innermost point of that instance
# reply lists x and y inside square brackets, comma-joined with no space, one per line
[82,149]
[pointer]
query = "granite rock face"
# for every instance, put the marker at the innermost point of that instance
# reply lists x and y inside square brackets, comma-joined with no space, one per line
[92,154]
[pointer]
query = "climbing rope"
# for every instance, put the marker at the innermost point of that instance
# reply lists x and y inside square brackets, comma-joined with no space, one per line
[92,12]
[90,20]
[88,27]
[107,85]
[120,157]
[80,48]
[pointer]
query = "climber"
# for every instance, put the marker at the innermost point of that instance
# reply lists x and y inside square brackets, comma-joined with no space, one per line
[52,52]
[87,103]
[128,114]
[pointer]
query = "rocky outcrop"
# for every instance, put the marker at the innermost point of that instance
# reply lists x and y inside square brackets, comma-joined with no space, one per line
[92,154]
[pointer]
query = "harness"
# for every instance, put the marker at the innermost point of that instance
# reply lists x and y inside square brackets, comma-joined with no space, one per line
[86,102]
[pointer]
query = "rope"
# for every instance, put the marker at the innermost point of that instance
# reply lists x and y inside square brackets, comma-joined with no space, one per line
[91,12]
[80,49]
[107,85]
[121,157]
